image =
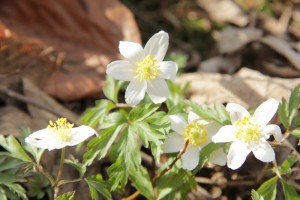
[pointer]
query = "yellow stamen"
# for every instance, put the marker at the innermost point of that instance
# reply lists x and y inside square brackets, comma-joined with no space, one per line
[196,133]
[247,130]
[62,129]
[147,68]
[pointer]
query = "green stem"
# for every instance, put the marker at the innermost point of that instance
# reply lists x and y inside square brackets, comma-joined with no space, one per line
[61,165]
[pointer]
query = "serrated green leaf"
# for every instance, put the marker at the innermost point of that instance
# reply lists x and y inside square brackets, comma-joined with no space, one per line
[285,167]
[294,102]
[99,146]
[268,189]
[255,195]
[6,178]
[112,88]
[14,148]
[95,116]
[7,164]
[16,189]
[141,181]
[118,174]
[142,111]
[66,196]
[296,133]
[80,167]
[96,183]
[283,112]
[171,183]
[113,119]
[223,115]
[290,192]
[2,194]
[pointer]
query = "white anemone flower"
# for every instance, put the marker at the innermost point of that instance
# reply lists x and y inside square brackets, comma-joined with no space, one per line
[59,135]
[197,132]
[145,69]
[249,133]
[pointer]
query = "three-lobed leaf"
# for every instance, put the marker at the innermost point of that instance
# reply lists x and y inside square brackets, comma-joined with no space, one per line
[98,185]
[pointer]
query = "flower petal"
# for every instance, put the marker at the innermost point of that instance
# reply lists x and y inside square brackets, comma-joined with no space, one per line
[264,152]
[218,157]
[168,69]
[275,130]
[237,154]
[131,51]
[157,90]
[212,129]
[192,117]
[236,112]
[265,112]
[44,139]
[173,143]
[190,158]
[121,70]
[81,133]
[178,124]
[225,134]
[157,45]
[135,92]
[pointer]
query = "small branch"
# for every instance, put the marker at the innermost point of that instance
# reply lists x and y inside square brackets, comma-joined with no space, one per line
[276,169]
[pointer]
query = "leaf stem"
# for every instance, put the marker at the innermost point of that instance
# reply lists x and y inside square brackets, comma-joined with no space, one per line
[182,151]
[61,166]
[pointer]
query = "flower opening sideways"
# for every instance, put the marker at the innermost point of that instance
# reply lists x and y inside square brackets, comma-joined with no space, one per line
[197,132]
[59,134]
[145,69]
[249,133]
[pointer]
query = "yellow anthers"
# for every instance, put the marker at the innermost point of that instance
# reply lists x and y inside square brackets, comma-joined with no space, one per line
[62,129]
[147,68]
[196,133]
[247,130]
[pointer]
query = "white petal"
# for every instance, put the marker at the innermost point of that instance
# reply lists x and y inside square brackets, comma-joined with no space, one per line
[157,45]
[192,117]
[218,157]
[265,112]
[157,90]
[225,134]
[178,124]
[131,51]
[43,139]
[190,158]
[168,69]
[80,134]
[135,92]
[237,154]
[264,152]
[275,130]
[236,112]
[173,143]
[121,70]
[213,128]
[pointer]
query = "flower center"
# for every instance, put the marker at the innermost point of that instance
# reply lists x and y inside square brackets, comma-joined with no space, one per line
[62,129]
[196,133]
[247,130]
[147,68]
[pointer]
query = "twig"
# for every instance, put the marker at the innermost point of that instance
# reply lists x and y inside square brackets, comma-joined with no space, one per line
[22,98]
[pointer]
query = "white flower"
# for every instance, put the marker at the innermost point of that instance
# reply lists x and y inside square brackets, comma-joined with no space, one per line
[58,135]
[145,69]
[249,133]
[197,132]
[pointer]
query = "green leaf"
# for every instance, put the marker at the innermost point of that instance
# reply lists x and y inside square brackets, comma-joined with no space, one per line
[7,178]
[99,146]
[296,133]
[97,184]
[14,148]
[142,111]
[141,181]
[294,102]
[81,168]
[118,174]
[17,189]
[66,196]
[255,195]
[223,115]
[290,192]
[268,189]
[283,113]
[113,119]
[95,116]
[112,88]
[2,194]
[285,167]
[7,164]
